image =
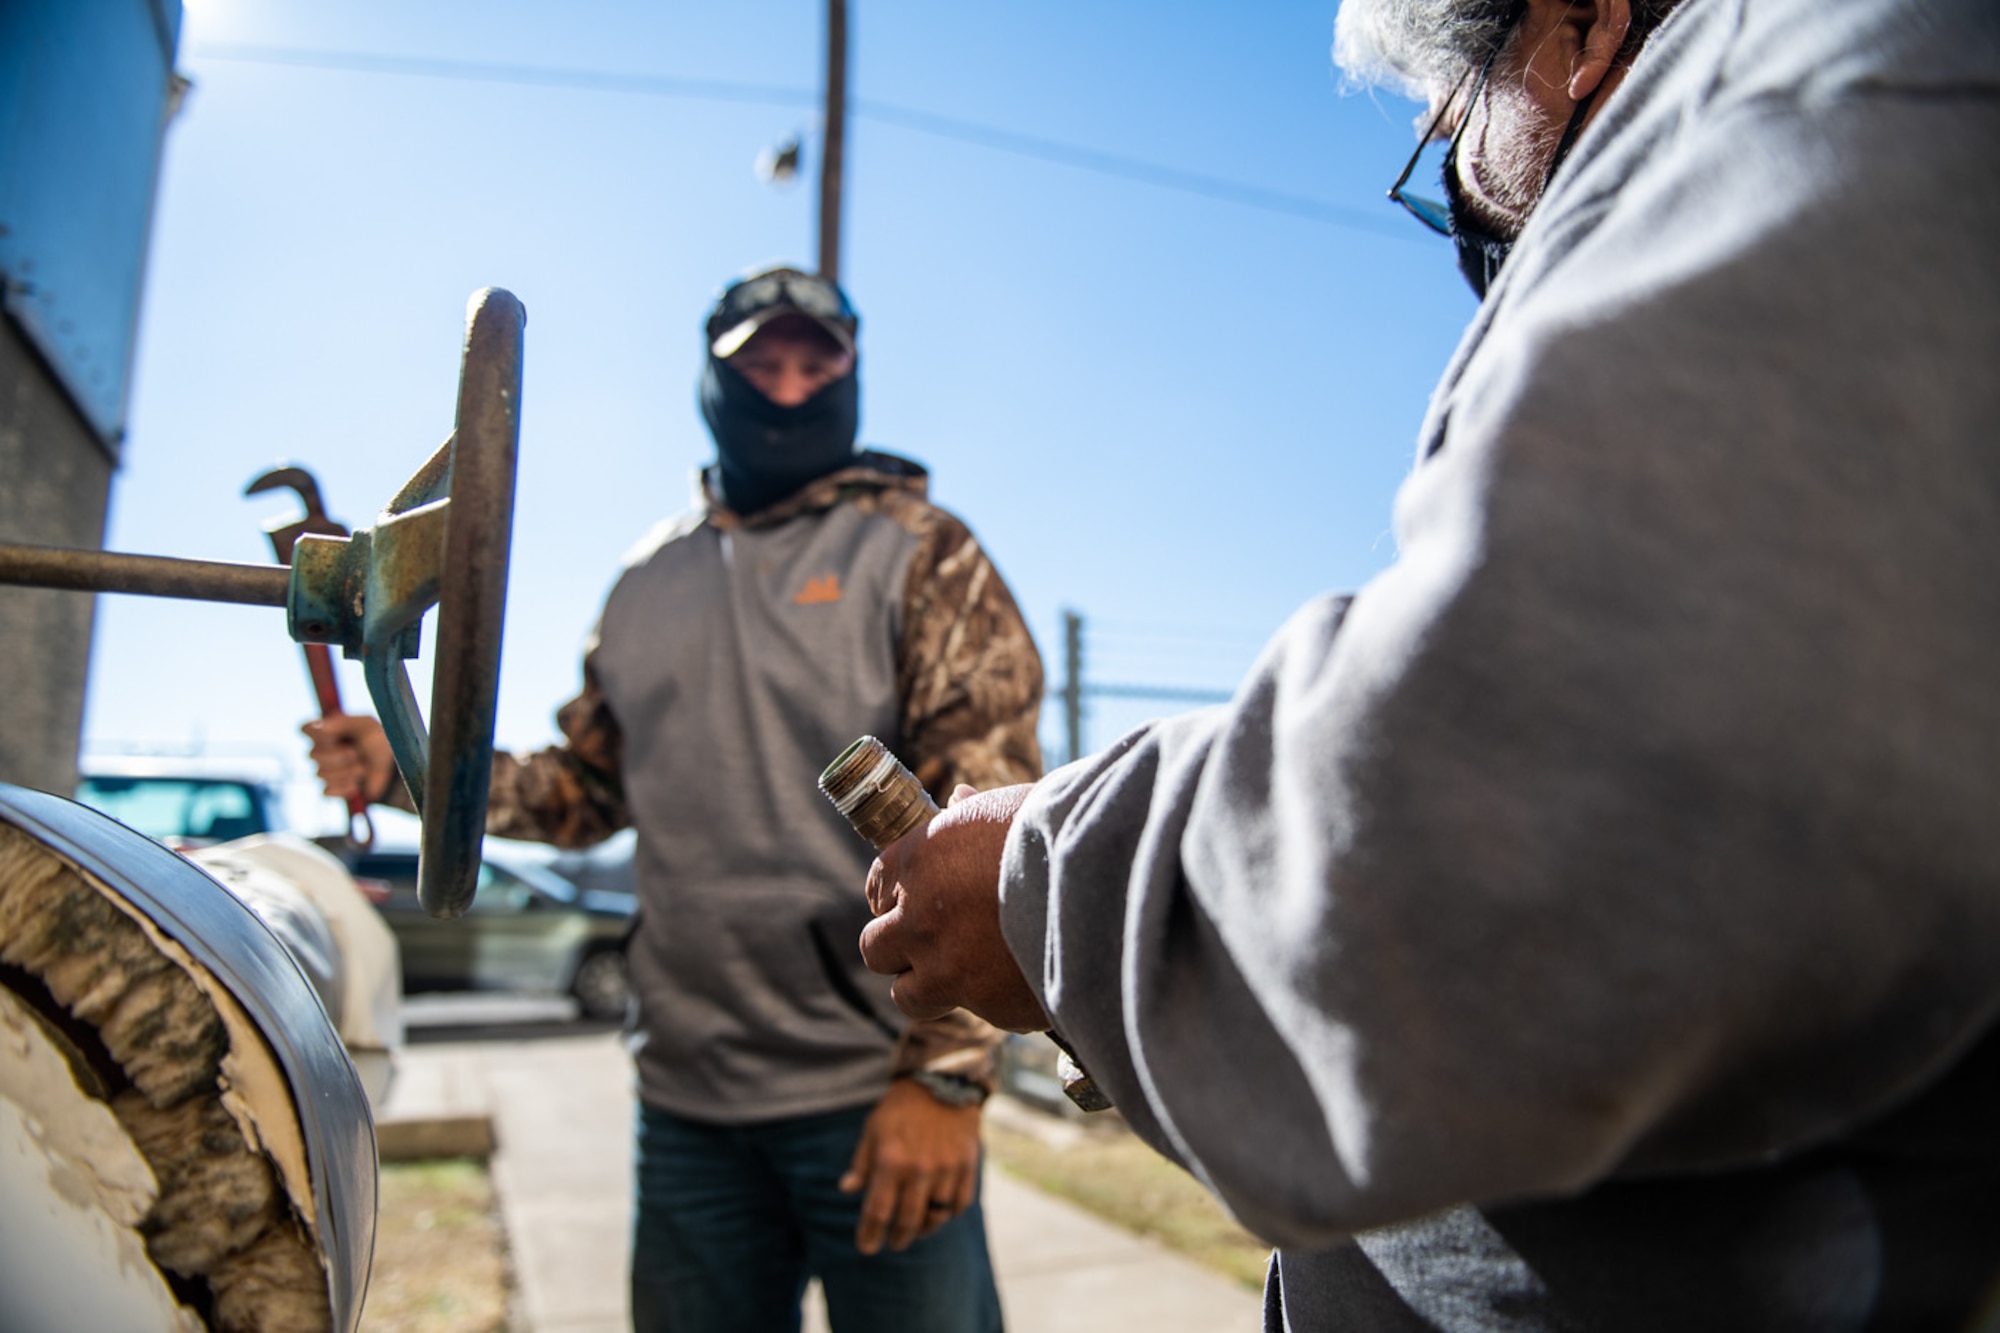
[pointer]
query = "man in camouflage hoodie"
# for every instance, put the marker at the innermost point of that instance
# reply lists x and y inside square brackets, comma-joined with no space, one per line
[791,1120]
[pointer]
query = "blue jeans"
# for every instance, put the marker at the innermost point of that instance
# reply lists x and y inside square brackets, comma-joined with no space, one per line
[732,1220]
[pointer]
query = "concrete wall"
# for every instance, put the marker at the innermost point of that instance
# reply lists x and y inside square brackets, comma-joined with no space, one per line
[55,485]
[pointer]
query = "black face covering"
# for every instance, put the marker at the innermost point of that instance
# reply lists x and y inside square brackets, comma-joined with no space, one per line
[765,452]
[1481,250]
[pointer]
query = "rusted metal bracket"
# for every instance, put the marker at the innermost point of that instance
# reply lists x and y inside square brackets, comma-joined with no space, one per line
[319,662]
[366,594]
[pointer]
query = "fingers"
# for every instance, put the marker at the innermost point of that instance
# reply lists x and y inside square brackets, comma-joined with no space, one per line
[936,898]
[951,1193]
[881,886]
[878,1211]
[885,948]
[968,1189]
[341,728]
[863,1163]
[351,755]
[912,1210]
[920,1160]
[929,982]
[896,1194]
[918,996]
[905,1204]
[959,793]
[340,769]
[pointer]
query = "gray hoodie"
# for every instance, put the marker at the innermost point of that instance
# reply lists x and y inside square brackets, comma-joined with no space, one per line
[1642,822]
[735,658]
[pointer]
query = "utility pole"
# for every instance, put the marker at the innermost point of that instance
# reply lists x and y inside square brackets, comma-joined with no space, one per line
[834,140]
[1072,691]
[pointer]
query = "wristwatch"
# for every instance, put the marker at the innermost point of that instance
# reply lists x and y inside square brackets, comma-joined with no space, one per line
[951,1089]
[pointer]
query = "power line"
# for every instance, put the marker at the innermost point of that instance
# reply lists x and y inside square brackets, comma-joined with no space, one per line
[1163,693]
[1132,169]
[598,81]
[908,118]
[1192,649]
[1163,630]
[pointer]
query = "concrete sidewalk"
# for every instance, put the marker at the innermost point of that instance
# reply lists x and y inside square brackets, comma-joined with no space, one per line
[559,1110]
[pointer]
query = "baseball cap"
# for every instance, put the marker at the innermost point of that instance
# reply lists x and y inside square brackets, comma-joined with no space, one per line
[750,303]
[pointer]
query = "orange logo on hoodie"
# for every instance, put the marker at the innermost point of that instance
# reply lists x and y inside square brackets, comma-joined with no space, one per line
[819,591]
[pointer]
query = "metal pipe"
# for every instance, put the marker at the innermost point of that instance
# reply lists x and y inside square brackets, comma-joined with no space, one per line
[1072,691]
[874,792]
[144,575]
[833,140]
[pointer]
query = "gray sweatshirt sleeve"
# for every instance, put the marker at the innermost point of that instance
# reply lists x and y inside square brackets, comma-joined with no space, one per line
[1645,815]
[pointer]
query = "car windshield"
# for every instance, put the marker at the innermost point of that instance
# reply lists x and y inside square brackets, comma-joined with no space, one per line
[501,887]
[548,881]
[180,809]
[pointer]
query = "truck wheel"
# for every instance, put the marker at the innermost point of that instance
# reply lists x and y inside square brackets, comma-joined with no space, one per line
[603,985]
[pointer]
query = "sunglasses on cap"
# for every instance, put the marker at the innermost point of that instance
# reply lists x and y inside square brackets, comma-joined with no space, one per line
[804,292]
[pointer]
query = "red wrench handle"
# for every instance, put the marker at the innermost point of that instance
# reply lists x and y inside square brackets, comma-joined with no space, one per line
[326,688]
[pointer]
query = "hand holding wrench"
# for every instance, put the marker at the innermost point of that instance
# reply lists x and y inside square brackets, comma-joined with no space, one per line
[319,660]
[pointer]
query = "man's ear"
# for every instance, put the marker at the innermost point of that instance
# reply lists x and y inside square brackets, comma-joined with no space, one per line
[1608,22]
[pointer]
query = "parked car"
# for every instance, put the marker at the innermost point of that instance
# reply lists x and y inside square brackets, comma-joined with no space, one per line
[181,809]
[608,865]
[528,929]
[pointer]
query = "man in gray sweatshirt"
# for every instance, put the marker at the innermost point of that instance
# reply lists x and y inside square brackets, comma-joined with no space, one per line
[1595,921]
[791,1123]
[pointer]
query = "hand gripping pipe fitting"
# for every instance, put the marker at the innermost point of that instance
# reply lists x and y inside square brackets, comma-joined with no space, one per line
[883,800]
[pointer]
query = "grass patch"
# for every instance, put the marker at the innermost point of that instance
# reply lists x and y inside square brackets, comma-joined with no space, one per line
[1108,1171]
[440,1252]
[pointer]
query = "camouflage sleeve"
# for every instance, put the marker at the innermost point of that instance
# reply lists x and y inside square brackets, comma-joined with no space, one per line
[573,794]
[971,685]
[959,1043]
[967,669]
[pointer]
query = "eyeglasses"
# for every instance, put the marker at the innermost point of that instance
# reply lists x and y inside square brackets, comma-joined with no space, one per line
[1430,212]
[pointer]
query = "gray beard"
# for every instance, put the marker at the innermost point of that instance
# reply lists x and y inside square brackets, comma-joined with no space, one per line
[1503,182]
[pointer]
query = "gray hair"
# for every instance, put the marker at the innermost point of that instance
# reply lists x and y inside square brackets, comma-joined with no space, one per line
[1416,46]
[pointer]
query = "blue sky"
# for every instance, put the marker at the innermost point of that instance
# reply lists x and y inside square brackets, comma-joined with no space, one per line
[1177,415]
